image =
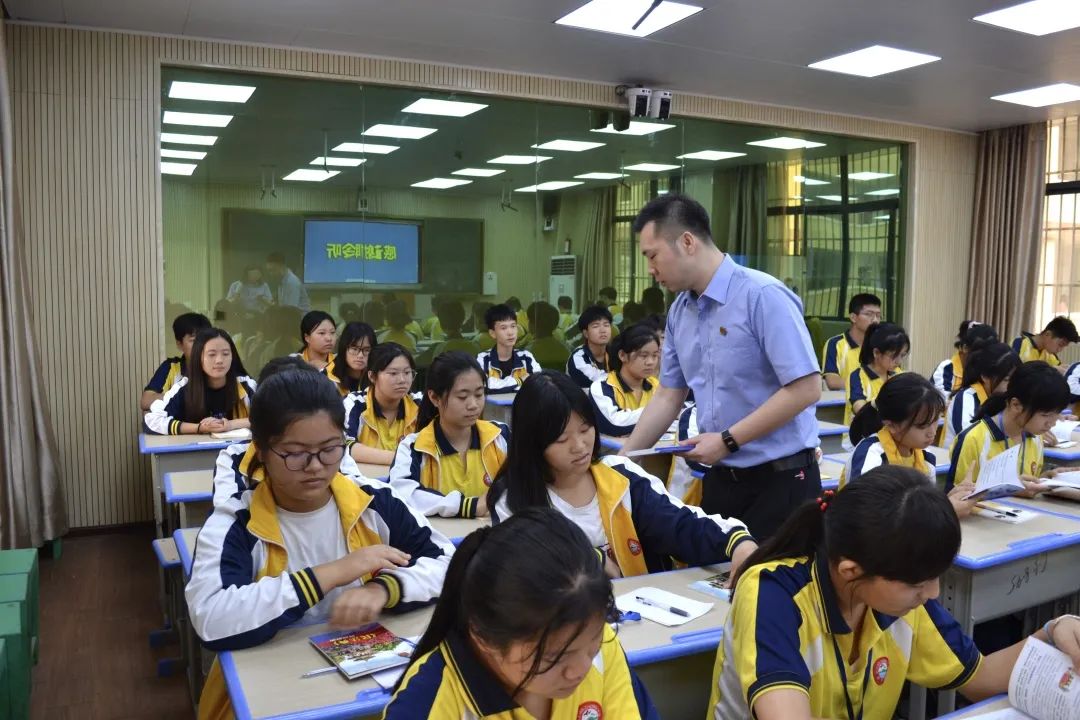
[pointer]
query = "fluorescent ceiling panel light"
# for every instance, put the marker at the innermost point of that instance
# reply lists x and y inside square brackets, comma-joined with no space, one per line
[834,198]
[810,181]
[600,176]
[405,132]
[550,185]
[172,117]
[873,61]
[619,16]
[210,91]
[882,217]
[177,168]
[184,139]
[867,175]
[518,159]
[651,167]
[1042,96]
[786,143]
[339,161]
[636,128]
[183,154]
[448,108]
[309,175]
[1038,17]
[888,191]
[568,145]
[711,155]
[366,148]
[478,172]
[440,183]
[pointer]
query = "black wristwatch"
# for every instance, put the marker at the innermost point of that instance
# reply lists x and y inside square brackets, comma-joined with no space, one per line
[732,446]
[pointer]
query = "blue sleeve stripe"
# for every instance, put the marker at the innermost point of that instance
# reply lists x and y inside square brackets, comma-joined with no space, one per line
[417,695]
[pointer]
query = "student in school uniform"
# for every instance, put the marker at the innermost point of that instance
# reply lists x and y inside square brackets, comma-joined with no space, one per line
[430,326]
[589,362]
[318,332]
[626,513]
[550,352]
[307,542]
[447,465]
[833,614]
[522,316]
[841,352]
[681,482]
[398,320]
[511,640]
[1047,345]
[609,298]
[213,397]
[622,395]
[185,327]
[567,318]
[987,371]
[379,419]
[349,366]
[1072,377]
[883,351]
[505,367]
[948,377]
[451,317]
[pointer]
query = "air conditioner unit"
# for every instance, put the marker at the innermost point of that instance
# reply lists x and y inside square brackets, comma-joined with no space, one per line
[564,278]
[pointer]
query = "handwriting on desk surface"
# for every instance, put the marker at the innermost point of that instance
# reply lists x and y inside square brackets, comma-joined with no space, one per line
[1032,570]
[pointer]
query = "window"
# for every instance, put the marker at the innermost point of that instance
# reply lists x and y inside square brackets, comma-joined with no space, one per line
[1058,282]
[631,268]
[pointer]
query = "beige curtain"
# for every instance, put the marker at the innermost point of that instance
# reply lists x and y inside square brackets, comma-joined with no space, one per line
[1010,183]
[746,225]
[597,262]
[32,507]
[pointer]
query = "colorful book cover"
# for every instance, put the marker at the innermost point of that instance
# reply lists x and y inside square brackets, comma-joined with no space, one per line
[363,651]
[714,585]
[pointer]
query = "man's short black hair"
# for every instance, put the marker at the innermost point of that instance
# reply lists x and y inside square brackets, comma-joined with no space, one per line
[858,302]
[1062,327]
[566,302]
[591,314]
[675,213]
[190,323]
[608,292]
[498,313]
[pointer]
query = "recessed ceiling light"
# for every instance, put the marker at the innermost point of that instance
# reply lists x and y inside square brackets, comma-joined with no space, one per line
[568,145]
[600,176]
[810,181]
[711,155]
[185,139]
[620,16]
[183,154]
[888,191]
[478,172]
[636,128]
[339,161]
[309,175]
[440,183]
[1042,96]
[868,175]
[177,168]
[405,132]
[883,217]
[367,148]
[786,143]
[873,61]
[210,91]
[448,108]
[1038,17]
[834,198]
[550,185]
[172,117]
[518,159]
[651,167]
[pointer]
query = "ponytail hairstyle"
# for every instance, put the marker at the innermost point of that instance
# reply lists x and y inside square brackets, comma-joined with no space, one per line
[539,416]
[310,321]
[887,338]
[1039,388]
[197,385]
[890,521]
[907,399]
[441,377]
[492,595]
[994,360]
[975,336]
[631,340]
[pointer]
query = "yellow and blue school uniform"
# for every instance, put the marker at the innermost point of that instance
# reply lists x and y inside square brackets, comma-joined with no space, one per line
[345,383]
[681,482]
[429,473]
[1072,377]
[507,375]
[168,372]
[785,631]
[863,384]
[1025,347]
[986,439]
[840,355]
[452,683]
[168,412]
[948,377]
[237,469]
[584,368]
[432,328]
[305,355]
[617,408]
[881,449]
[402,337]
[961,411]
[365,422]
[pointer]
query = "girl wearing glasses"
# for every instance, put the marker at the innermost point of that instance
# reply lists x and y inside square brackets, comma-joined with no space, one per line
[349,368]
[621,395]
[381,418]
[307,542]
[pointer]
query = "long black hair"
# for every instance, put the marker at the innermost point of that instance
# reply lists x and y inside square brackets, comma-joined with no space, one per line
[441,377]
[974,335]
[907,399]
[1039,388]
[994,360]
[540,413]
[631,340]
[890,521]
[198,385]
[352,334]
[287,396]
[887,338]
[490,594]
[312,320]
[382,356]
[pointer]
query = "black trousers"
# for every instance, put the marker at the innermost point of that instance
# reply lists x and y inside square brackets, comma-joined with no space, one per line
[761,496]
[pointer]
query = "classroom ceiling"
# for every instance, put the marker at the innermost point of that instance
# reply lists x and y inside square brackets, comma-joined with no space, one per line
[755,50]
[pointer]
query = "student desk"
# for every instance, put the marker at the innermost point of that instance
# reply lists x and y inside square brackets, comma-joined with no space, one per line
[457,528]
[1049,504]
[497,407]
[189,496]
[1068,456]
[374,472]
[176,453]
[830,407]
[831,436]
[941,456]
[978,710]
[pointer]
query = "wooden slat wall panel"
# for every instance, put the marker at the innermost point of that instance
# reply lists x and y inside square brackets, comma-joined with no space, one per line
[86,125]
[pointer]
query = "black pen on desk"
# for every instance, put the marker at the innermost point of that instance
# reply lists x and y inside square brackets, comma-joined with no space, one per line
[997,510]
[671,609]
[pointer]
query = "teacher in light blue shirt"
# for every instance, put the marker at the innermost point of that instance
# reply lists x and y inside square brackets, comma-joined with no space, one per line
[737,338]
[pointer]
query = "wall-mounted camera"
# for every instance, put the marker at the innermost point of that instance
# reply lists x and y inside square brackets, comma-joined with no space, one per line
[660,104]
[645,102]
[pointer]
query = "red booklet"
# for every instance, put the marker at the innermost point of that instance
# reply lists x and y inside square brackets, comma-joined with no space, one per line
[363,651]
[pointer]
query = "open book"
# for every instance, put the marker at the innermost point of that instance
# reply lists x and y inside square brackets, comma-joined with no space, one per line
[999,476]
[1069,480]
[1042,686]
[363,651]
[237,434]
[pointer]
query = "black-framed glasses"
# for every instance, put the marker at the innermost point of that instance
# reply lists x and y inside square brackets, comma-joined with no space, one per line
[297,461]
[358,351]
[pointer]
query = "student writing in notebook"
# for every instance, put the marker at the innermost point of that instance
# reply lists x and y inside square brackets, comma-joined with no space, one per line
[620,396]
[882,353]
[589,362]
[185,327]
[506,367]
[349,368]
[318,332]
[986,371]
[382,417]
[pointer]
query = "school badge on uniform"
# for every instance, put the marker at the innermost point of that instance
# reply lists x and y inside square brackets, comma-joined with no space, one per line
[590,711]
[634,545]
[881,670]
[487,479]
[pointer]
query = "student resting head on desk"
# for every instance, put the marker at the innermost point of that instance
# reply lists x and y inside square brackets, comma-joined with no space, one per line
[185,327]
[512,640]
[318,332]
[213,397]
[382,417]
[445,468]
[307,542]
[987,370]
[505,367]
[949,375]
[882,353]
[349,368]
[621,395]
[836,611]
[626,513]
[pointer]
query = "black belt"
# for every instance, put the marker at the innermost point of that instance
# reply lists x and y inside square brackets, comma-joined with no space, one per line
[791,462]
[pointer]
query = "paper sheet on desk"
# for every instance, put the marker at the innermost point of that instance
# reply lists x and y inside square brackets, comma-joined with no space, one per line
[387,678]
[999,476]
[1063,429]
[695,609]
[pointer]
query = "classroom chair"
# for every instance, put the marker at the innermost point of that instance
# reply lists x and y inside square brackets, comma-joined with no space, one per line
[25,562]
[16,638]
